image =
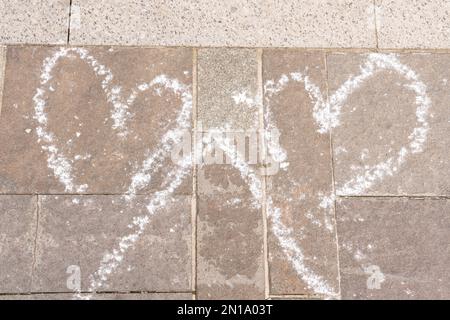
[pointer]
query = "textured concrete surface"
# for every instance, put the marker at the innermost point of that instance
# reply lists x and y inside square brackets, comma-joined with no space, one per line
[93,97]
[374,148]
[230,263]
[227,88]
[394,248]
[82,230]
[302,189]
[2,71]
[325,23]
[17,241]
[34,21]
[413,23]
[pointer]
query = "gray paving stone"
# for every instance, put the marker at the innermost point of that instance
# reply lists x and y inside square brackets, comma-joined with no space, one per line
[227,88]
[230,261]
[394,248]
[392,133]
[413,23]
[34,21]
[326,23]
[17,238]
[302,237]
[85,231]
[81,131]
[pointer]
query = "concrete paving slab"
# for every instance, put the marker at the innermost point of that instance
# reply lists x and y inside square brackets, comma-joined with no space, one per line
[85,120]
[230,263]
[301,224]
[325,23]
[413,23]
[18,216]
[34,21]
[91,237]
[228,88]
[392,116]
[394,248]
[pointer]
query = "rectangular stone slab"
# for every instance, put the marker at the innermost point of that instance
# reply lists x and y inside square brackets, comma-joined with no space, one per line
[413,24]
[300,201]
[83,120]
[34,21]
[228,88]
[394,248]
[18,218]
[77,234]
[205,23]
[230,261]
[392,135]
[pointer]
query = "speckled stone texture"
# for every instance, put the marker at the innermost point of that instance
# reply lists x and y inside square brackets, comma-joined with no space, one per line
[81,230]
[230,263]
[301,192]
[413,23]
[227,88]
[2,72]
[34,21]
[394,248]
[91,151]
[18,218]
[378,119]
[325,23]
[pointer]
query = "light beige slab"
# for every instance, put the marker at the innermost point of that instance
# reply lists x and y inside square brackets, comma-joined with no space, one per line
[34,21]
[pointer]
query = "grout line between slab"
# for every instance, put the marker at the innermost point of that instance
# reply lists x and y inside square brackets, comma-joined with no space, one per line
[69,22]
[2,73]
[194,175]
[375,22]
[88,292]
[260,94]
[333,180]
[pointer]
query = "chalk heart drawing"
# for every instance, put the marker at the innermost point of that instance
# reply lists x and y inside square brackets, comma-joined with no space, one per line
[120,114]
[327,116]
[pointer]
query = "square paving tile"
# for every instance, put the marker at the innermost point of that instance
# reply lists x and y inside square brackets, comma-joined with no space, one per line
[230,263]
[301,224]
[325,23]
[34,21]
[391,136]
[394,248]
[413,23]
[228,88]
[92,236]
[17,241]
[90,120]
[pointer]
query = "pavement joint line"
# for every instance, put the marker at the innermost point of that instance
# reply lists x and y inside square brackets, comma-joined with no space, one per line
[260,94]
[306,49]
[2,73]
[194,207]
[87,292]
[411,197]
[333,178]
[69,22]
